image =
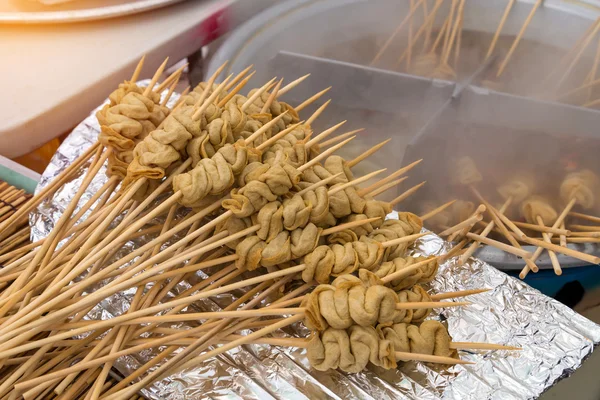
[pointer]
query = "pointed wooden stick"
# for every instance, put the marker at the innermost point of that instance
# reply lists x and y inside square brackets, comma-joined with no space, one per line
[156,77]
[547,229]
[174,77]
[461,233]
[271,97]
[580,88]
[355,182]
[323,134]
[257,94]
[246,339]
[481,346]
[318,112]
[406,357]
[138,69]
[467,223]
[348,225]
[264,128]
[209,85]
[390,178]
[388,42]
[387,186]
[292,85]
[341,137]
[509,6]
[585,228]
[436,211]
[238,77]
[586,217]
[170,92]
[556,224]
[515,43]
[460,293]
[236,90]
[408,270]
[502,246]
[210,98]
[406,194]
[563,250]
[367,153]
[410,35]
[404,239]
[324,154]
[453,33]
[430,20]
[490,226]
[279,135]
[181,98]
[311,100]
[430,304]
[563,238]
[63,177]
[501,216]
[547,239]
[322,182]
[577,57]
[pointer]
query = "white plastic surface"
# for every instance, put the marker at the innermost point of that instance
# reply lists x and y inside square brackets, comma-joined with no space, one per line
[52,76]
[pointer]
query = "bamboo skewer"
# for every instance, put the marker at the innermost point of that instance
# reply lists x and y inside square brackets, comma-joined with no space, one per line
[292,85]
[387,186]
[139,251]
[553,259]
[501,217]
[563,250]
[311,100]
[502,246]
[388,179]
[235,90]
[467,223]
[515,43]
[124,222]
[339,138]
[584,216]
[323,135]
[465,257]
[171,79]
[452,33]
[547,229]
[460,234]
[438,210]
[461,293]
[156,77]
[367,153]
[388,42]
[410,34]
[403,356]
[429,20]
[499,29]
[11,349]
[317,112]
[271,97]
[238,77]
[577,57]
[407,193]
[539,250]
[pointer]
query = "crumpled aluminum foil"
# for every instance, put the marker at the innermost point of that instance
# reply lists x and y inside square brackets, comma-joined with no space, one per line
[555,339]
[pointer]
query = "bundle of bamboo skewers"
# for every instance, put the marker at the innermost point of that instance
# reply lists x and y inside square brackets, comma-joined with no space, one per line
[537,222]
[242,185]
[435,52]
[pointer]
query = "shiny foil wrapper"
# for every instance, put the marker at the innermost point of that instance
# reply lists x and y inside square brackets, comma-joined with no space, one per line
[555,339]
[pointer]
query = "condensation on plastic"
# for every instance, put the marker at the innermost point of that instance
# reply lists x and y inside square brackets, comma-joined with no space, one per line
[555,339]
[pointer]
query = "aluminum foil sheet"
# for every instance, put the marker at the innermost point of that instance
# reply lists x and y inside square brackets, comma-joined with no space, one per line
[555,339]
